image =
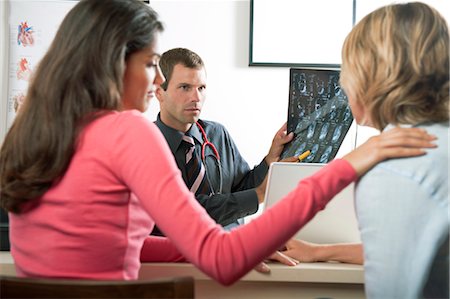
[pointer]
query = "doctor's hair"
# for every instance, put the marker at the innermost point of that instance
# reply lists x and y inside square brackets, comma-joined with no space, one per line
[176,56]
[79,79]
[395,63]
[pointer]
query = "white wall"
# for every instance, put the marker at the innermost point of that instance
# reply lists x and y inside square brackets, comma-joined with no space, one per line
[251,102]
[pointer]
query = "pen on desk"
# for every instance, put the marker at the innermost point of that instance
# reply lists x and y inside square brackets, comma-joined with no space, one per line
[304,155]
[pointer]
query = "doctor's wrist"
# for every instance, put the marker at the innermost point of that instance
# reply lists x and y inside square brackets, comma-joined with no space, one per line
[261,192]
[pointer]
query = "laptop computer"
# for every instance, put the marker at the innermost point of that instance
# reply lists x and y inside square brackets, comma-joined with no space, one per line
[337,223]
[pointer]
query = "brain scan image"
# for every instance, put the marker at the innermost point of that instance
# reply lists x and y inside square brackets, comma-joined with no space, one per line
[333,115]
[347,114]
[311,156]
[320,87]
[311,130]
[316,103]
[325,156]
[301,112]
[337,133]
[301,149]
[318,113]
[309,159]
[302,85]
[337,89]
[333,112]
[324,131]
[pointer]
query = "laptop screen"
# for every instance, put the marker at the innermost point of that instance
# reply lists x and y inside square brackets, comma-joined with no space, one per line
[335,224]
[318,114]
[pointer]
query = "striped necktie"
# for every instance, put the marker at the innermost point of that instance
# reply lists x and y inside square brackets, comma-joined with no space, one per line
[195,170]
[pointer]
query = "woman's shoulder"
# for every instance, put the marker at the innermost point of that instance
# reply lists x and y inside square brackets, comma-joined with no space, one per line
[122,120]
[429,169]
[124,116]
[120,125]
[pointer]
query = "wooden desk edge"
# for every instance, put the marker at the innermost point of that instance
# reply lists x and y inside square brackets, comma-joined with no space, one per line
[303,272]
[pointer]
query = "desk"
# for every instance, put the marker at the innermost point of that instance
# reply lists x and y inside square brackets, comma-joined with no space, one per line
[308,280]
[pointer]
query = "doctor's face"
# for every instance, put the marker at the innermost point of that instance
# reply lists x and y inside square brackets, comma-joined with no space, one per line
[182,102]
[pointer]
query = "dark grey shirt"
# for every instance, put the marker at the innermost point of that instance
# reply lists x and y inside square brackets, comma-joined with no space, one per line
[238,198]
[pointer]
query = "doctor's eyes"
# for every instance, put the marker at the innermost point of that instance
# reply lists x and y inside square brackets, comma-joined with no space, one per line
[189,88]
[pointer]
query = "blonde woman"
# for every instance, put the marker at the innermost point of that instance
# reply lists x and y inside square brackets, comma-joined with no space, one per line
[395,71]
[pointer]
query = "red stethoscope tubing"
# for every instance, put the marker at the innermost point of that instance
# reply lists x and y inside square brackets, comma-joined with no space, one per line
[207,143]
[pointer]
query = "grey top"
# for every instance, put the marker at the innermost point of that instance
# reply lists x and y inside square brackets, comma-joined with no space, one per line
[403,215]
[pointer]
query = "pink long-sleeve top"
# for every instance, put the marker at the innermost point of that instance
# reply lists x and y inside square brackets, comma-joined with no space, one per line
[94,223]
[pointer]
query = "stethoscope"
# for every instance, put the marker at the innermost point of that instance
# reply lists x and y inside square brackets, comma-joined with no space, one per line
[207,143]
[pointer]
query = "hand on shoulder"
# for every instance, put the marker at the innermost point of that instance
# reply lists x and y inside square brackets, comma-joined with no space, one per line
[395,143]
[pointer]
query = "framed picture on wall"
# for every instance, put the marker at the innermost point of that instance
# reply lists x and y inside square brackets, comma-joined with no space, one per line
[299,33]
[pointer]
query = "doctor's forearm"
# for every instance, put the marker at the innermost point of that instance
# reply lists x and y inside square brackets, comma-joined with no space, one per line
[227,208]
[345,253]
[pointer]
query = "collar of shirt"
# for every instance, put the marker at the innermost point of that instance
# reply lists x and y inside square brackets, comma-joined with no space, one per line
[174,137]
[391,126]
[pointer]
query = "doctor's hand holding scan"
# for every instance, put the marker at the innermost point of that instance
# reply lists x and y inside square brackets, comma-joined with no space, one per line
[133,181]
[280,139]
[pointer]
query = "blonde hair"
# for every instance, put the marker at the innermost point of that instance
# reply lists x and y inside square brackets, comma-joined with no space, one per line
[395,63]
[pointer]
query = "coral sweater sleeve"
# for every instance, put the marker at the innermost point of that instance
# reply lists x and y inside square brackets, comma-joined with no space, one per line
[160,249]
[143,161]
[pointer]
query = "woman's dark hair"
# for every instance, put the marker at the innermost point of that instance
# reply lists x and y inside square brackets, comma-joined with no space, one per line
[79,79]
